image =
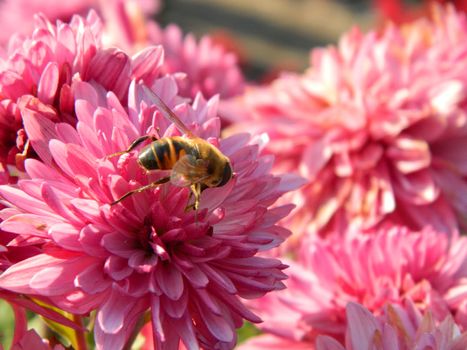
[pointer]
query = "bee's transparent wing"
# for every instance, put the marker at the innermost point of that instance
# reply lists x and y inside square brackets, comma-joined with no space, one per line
[167,112]
[188,170]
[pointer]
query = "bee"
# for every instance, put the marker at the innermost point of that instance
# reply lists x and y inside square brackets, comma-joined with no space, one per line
[193,162]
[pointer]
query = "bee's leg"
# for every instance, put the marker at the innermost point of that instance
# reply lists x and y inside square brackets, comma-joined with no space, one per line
[133,145]
[142,188]
[190,206]
[195,191]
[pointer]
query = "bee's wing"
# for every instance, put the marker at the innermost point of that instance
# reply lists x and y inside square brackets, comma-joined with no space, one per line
[188,170]
[168,113]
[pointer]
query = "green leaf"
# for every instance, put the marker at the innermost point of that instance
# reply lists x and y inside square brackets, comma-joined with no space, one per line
[248,330]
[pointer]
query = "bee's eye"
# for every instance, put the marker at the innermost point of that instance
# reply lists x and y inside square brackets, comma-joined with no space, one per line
[226,175]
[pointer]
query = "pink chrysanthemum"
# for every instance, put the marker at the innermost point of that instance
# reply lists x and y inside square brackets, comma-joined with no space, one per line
[389,266]
[377,125]
[397,329]
[209,68]
[189,268]
[38,71]
[17,16]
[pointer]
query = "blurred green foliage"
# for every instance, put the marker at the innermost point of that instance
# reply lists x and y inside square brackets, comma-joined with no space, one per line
[7,324]
[247,331]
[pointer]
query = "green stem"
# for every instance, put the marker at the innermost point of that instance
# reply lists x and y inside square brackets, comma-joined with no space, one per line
[80,337]
[139,325]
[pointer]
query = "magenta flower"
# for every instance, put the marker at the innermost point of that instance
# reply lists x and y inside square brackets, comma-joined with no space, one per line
[397,329]
[39,70]
[190,269]
[388,266]
[31,340]
[377,126]
[208,68]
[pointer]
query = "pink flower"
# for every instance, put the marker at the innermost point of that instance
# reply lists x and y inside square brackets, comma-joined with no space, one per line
[273,342]
[39,70]
[378,127]
[397,329]
[388,266]
[17,16]
[208,68]
[19,304]
[31,340]
[399,11]
[191,269]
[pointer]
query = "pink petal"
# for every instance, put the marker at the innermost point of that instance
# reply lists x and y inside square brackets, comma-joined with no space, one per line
[175,308]
[418,188]
[328,343]
[111,316]
[48,83]
[36,225]
[111,68]
[156,318]
[446,97]
[184,327]
[117,268]
[218,326]
[56,203]
[24,201]
[409,155]
[43,274]
[66,236]
[92,279]
[147,63]
[116,320]
[32,306]
[362,326]
[21,323]
[451,150]
[67,134]
[273,342]
[40,131]
[37,169]
[170,281]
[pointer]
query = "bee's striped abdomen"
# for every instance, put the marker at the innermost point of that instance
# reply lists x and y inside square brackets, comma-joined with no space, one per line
[164,153]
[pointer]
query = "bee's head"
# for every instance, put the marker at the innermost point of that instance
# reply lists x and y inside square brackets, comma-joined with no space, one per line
[220,174]
[226,174]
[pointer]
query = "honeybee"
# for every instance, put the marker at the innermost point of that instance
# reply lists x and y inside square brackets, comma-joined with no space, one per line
[193,161]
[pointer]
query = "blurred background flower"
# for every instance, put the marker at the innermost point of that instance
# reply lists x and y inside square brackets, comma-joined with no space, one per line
[13,12]
[376,124]
[392,265]
[396,329]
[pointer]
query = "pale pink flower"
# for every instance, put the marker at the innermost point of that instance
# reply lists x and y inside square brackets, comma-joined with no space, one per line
[207,67]
[17,16]
[191,269]
[377,125]
[397,329]
[388,266]
[38,70]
